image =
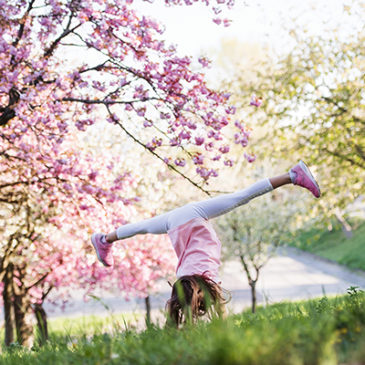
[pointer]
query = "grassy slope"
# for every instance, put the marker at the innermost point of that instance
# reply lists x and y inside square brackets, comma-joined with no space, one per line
[321,331]
[335,246]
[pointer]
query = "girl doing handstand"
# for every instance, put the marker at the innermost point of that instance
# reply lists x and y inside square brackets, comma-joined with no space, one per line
[197,290]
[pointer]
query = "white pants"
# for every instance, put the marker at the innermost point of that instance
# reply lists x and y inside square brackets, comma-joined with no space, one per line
[206,209]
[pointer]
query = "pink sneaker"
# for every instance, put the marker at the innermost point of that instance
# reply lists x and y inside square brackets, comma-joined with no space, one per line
[103,249]
[300,175]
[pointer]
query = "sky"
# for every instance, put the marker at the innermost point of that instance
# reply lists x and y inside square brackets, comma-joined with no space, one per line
[262,21]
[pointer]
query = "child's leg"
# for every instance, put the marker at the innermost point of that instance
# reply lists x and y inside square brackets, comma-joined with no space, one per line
[205,209]
[219,205]
[155,225]
[280,180]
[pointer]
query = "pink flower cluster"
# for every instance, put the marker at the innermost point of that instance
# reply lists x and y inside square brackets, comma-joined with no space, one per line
[256,101]
[140,82]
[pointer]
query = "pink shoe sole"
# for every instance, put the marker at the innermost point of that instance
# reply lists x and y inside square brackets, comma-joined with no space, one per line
[309,174]
[313,187]
[95,240]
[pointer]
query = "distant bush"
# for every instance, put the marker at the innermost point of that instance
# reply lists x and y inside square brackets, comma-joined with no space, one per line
[333,245]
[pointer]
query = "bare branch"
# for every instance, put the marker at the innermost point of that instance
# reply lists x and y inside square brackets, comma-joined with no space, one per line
[257,271]
[247,270]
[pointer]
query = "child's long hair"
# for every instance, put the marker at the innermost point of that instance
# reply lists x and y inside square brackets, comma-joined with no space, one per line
[192,297]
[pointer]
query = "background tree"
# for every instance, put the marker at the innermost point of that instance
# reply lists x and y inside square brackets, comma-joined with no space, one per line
[67,65]
[313,108]
[79,62]
[252,233]
[45,236]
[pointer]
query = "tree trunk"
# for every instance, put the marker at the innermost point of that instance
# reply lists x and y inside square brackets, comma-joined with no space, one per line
[148,310]
[42,323]
[8,309]
[346,228]
[23,323]
[253,296]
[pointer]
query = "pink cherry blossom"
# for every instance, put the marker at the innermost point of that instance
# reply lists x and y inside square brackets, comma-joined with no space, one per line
[250,158]
[228,162]
[205,62]
[180,162]
[224,149]
[256,101]
[72,186]
[199,141]
[198,159]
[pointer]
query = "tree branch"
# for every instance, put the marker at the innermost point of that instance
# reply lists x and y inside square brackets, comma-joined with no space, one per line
[154,153]
[108,102]
[37,282]
[21,28]
[66,32]
[95,68]
[45,294]
[344,157]
[8,112]
[27,182]
[247,270]
[342,109]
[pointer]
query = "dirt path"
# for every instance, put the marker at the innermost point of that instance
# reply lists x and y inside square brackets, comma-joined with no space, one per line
[291,275]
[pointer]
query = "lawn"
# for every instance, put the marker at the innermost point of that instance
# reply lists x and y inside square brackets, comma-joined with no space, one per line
[334,245]
[321,331]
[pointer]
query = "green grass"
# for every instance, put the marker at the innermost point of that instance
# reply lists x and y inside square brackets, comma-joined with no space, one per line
[322,331]
[333,245]
[88,325]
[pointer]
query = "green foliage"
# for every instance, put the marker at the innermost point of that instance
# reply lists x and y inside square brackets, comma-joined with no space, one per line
[333,245]
[321,331]
[316,108]
[313,108]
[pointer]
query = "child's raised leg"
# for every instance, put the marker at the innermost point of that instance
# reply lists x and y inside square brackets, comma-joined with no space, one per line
[205,209]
